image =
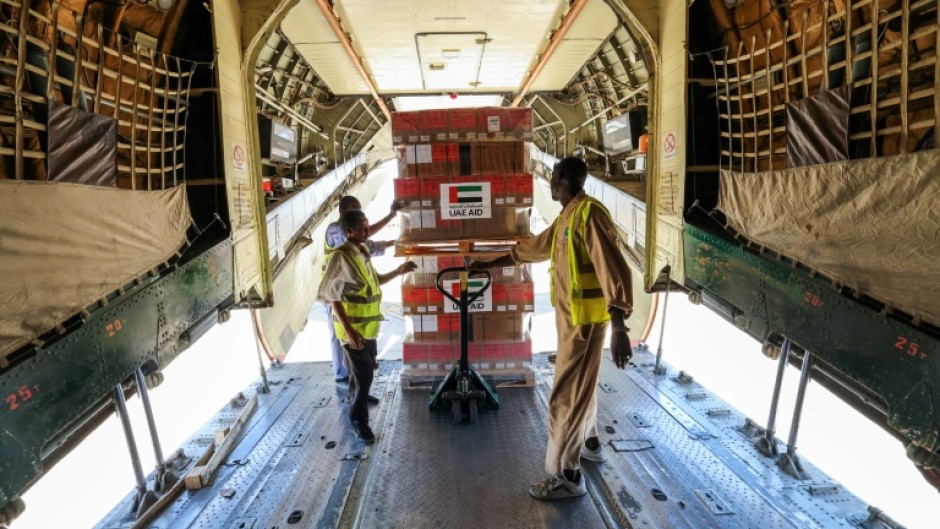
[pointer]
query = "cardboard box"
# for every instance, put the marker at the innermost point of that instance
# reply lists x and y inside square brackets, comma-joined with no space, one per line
[502,158]
[408,191]
[519,190]
[414,354]
[461,159]
[492,122]
[406,127]
[428,225]
[471,124]
[438,166]
[462,124]
[500,300]
[519,124]
[492,356]
[429,266]
[484,327]
[434,123]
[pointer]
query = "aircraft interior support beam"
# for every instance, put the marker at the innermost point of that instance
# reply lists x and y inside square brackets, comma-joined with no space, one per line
[330,16]
[559,35]
[642,88]
[262,95]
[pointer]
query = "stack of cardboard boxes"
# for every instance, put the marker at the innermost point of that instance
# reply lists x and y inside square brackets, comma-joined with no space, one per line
[463,177]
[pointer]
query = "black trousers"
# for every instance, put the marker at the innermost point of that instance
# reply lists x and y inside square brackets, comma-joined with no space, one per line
[361,364]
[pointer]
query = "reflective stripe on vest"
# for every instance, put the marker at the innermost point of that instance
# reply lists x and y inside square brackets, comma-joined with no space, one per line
[584,289]
[363,307]
[327,252]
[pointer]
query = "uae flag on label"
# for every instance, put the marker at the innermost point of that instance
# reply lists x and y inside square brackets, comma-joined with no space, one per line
[484,303]
[466,194]
[470,200]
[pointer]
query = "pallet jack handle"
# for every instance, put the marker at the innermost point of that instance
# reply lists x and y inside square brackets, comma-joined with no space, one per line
[463,303]
[465,275]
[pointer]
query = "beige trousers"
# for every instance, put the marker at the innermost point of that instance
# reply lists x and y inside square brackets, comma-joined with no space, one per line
[572,407]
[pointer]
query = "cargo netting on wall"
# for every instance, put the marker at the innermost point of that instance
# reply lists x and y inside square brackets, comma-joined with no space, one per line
[779,54]
[70,84]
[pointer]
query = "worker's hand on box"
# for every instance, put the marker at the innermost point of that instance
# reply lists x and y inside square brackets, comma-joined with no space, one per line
[356,341]
[385,245]
[620,349]
[396,205]
[406,267]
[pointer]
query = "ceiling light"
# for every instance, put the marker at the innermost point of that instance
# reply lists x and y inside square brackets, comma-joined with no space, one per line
[436,66]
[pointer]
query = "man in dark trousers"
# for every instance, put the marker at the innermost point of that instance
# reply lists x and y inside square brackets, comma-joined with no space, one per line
[352,286]
[590,290]
[335,237]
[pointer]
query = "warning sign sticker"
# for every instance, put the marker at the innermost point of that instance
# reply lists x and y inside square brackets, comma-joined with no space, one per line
[670,145]
[484,303]
[239,160]
[470,200]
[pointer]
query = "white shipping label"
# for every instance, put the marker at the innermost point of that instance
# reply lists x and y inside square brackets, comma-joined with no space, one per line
[410,155]
[483,303]
[509,271]
[423,153]
[429,265]
[427,323]
[428,218]
[471,200]
[492,124]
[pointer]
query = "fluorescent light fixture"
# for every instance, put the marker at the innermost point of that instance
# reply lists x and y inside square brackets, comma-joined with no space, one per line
[409,103]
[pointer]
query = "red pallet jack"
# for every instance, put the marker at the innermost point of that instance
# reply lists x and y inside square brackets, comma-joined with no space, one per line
[464,387]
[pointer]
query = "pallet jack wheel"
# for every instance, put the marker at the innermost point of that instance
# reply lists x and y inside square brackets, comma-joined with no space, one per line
[456,411]
[472,410]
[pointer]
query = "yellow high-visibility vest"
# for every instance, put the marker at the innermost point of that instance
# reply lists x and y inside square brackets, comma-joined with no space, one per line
[363,307]
[586,297]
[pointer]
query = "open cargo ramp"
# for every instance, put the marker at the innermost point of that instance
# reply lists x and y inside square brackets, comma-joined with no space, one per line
[677,457]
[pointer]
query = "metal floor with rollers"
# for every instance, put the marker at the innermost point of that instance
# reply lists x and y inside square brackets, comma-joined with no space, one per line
[677,457]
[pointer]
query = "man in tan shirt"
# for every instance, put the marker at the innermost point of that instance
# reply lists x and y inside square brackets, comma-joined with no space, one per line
[590,286]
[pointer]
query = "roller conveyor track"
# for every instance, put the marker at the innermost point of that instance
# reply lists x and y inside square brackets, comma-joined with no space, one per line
[683,461]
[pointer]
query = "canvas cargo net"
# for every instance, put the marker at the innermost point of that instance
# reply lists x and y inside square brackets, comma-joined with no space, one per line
[65,246]
[872,225]
[93,132]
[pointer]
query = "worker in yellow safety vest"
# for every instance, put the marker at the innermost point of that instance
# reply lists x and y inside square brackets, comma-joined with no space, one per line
[352,287]
[591,290]
[335,237]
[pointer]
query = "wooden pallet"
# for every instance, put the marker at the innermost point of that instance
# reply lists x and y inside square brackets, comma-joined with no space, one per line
[500,378]
[455,246]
